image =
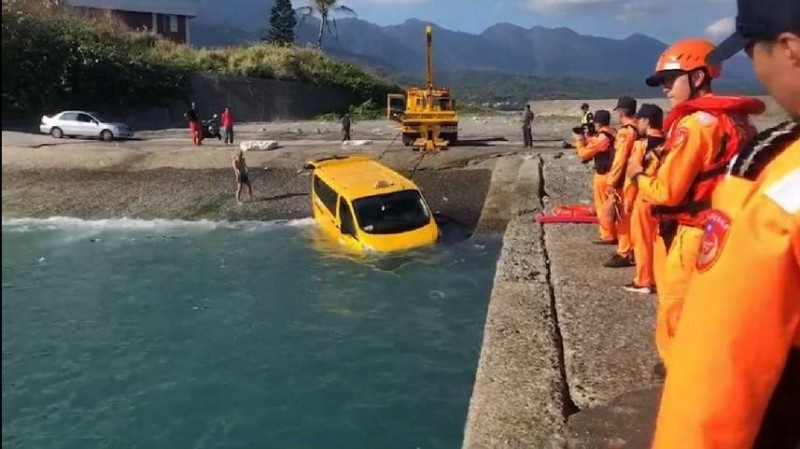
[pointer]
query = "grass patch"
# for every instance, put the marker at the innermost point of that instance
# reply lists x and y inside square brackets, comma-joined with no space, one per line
[55,58]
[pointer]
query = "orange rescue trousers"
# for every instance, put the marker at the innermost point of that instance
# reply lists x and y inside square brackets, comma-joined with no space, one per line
[673,276]
[623,230]
[643,228]
[607,233]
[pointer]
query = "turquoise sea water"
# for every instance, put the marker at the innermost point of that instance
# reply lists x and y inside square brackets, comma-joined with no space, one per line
[147,334]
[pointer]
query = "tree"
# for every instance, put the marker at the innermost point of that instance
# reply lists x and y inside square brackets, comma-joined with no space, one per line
[324,9]
[282,22]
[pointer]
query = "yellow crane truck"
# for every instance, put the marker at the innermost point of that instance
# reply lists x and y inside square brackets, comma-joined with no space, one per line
[427,114]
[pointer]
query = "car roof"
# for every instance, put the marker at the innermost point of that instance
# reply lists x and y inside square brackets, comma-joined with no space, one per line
[359,176]
[75,111]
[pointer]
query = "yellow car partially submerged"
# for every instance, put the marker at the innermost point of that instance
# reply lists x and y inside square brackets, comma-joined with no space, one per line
[367,206]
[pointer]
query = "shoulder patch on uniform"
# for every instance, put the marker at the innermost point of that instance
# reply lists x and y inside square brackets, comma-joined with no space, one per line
[681,135]
[705,119]
[785,192]
[715,234]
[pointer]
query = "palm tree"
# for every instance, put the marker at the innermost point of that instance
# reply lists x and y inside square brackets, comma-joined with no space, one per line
[325,9]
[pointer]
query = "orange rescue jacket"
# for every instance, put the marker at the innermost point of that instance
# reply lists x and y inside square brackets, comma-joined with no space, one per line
[626,136]
[648,151]
[704,135]
[599,147]
[735,362]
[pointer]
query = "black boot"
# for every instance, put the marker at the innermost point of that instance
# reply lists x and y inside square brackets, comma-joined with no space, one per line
[660,371]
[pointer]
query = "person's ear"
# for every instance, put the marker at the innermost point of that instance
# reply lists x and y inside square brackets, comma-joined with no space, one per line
[789,46]
[697,78]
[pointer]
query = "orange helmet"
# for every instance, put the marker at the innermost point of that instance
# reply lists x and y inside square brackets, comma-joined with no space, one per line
[684,56]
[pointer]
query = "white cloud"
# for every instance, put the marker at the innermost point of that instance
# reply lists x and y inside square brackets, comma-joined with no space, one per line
[556,5]
[721,28]
[620,9]
[642,8]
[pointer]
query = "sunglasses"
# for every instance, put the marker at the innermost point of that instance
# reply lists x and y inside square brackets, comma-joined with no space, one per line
[669,78]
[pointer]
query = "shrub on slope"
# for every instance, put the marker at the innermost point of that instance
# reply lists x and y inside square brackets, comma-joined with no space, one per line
[54,58]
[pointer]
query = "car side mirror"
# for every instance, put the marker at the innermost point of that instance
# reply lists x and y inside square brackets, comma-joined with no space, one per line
[95,122]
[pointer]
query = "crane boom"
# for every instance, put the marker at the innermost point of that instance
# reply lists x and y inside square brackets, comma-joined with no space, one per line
[428,57]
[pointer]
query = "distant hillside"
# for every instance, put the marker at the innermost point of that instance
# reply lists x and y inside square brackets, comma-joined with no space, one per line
[523,58]
[508,91]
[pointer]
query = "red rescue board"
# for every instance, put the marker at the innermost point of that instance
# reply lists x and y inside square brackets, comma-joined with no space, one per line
[570,213]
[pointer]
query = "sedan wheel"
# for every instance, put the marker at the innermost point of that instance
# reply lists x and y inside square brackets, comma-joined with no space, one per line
[106,135]
[56,132]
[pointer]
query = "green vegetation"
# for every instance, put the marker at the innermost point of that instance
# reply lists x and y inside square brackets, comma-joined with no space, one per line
[54,58]
[282,22]
[368,110]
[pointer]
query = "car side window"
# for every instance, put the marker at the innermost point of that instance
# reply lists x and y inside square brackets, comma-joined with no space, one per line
[348,227]
[326,194]
[84,118]
[69,116]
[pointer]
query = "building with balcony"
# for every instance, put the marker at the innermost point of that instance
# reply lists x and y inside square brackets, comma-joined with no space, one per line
[168,18]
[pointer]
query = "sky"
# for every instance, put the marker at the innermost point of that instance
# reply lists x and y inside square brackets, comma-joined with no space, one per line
[666,20]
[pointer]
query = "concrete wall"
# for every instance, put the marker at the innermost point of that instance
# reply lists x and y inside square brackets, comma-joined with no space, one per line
[251,100]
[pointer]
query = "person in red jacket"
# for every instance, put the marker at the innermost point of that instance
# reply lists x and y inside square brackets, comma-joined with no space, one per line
[227,125]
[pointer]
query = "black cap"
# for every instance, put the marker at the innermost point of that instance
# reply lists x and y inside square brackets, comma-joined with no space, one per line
[602,117]
[628,103]
[653,113]
[757,20]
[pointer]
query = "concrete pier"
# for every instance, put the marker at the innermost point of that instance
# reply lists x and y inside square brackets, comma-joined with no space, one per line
[567,358]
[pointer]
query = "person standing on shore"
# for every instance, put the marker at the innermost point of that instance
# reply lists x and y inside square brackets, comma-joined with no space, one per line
[647,151]
[599,148]
[195,129]
[734,377]
[227,125]
[626,136]
[527,126]
[346,127]
[587,118]
[242,178]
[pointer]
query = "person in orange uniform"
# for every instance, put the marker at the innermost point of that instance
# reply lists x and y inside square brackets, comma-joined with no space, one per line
[734,377]
[626,136]
[704,132]
[600,148]
[647,151]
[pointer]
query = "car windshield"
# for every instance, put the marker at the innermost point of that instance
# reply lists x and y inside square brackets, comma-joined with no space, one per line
[98,117]
[392,212]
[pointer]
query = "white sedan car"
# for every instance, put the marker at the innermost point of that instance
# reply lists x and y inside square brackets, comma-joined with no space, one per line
[83,124]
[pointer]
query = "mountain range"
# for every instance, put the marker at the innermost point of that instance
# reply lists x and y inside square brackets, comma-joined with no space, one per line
[398,51]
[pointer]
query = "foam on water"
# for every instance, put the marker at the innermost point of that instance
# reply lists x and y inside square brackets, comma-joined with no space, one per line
[61,223]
